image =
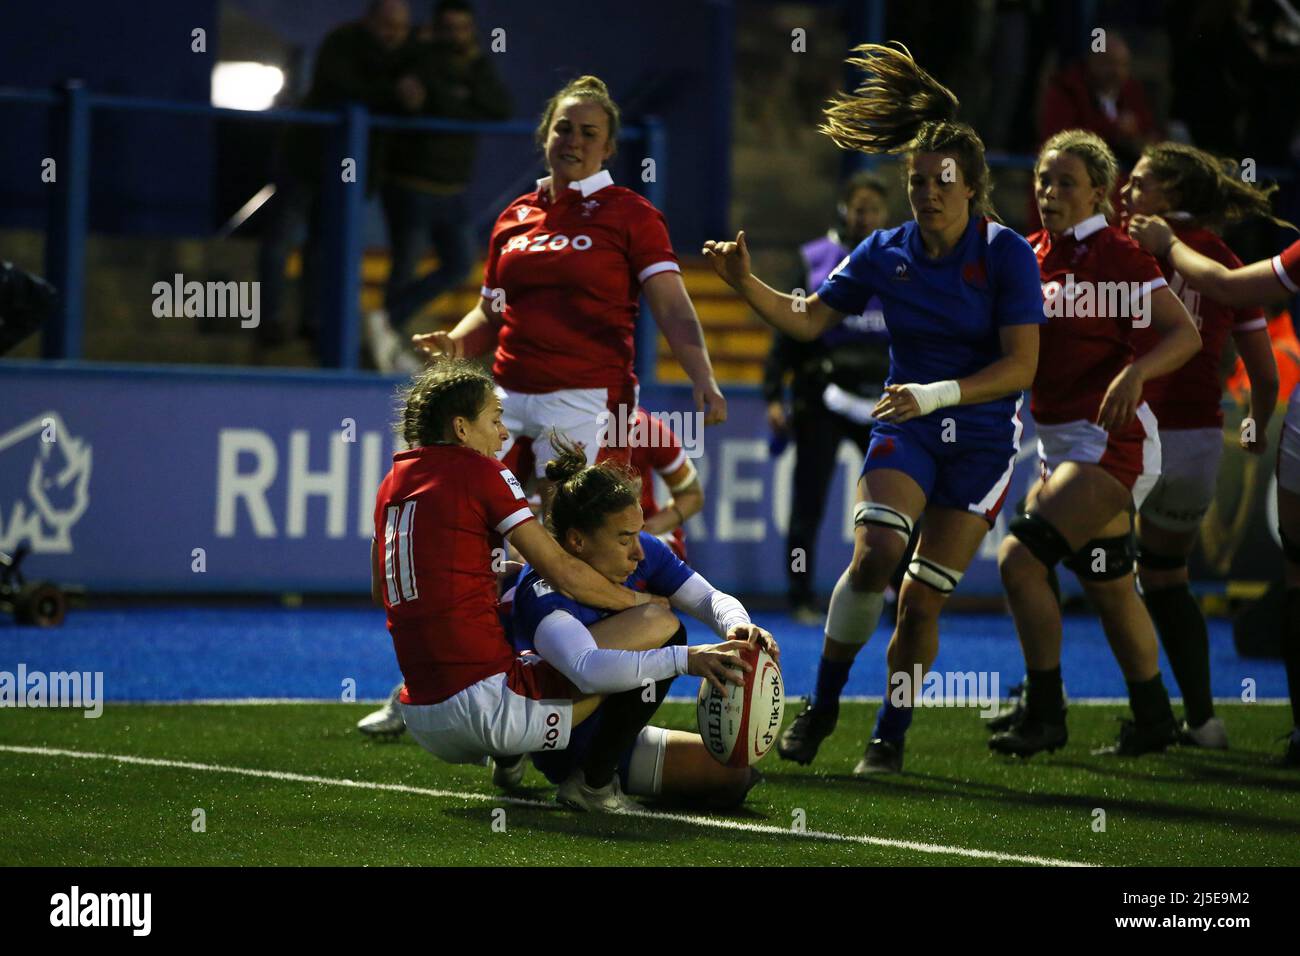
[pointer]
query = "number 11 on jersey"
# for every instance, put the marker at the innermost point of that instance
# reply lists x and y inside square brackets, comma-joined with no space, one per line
[399,563]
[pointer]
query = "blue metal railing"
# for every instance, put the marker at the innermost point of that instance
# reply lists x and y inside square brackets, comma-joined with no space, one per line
[68,221]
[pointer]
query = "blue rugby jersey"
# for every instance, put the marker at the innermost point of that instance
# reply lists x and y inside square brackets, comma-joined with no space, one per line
[820,258]
[944,315]
[660,572]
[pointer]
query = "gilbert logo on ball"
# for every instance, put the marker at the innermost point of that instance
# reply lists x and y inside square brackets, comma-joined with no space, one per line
[740,726]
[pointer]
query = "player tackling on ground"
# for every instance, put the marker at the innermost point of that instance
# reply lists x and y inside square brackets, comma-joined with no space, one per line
[441,512]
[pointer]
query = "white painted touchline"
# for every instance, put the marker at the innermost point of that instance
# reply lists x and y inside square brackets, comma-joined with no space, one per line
[690,819]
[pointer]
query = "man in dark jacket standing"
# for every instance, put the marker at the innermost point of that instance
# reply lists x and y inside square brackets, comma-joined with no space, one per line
[426,176]
[359,62]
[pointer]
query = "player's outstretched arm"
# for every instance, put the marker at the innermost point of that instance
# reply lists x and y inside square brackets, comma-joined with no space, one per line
[1009,375]
[1255,284]
[473,335]
[722,612]
[567,644]
[673,312]
[570,647]
[566,573]
[800,318]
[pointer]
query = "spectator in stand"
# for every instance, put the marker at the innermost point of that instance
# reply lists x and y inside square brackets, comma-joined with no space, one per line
[835,382]
[358,62]
[1096,93]
[426,176]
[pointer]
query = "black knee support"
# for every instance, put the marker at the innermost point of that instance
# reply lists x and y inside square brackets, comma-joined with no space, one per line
[1103,559]
[1042,539]
[1160,562]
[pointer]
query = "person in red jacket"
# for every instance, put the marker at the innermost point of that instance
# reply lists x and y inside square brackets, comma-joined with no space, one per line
[1098,93]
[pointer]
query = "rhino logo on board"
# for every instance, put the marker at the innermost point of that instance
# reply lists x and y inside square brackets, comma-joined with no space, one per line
[56,492]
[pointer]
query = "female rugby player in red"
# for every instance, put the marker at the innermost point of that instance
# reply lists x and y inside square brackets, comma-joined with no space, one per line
[567,264]
[1269,280]
[1098,445]
[654,449]
[1193,190]
[443,508]
[660,452]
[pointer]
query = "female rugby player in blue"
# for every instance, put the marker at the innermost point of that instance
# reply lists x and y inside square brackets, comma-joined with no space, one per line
[596,516]
[962,304]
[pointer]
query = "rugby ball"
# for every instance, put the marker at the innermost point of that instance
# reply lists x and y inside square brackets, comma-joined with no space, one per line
[740,726]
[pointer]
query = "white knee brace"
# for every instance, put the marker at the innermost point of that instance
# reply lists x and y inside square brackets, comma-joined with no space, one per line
[944,580]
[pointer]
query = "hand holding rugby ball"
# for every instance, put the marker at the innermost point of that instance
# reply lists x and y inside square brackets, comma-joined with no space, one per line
[740,725]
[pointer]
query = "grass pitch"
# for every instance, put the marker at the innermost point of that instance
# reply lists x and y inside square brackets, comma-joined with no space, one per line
[295,784]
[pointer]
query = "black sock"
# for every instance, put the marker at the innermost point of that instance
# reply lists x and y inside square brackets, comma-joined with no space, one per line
[1044,696]
[1150,701]
[1183,634]
[622,717]
[1291,649]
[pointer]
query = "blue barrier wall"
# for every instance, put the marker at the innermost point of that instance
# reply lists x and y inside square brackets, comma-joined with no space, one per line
[151,174]
[115,475]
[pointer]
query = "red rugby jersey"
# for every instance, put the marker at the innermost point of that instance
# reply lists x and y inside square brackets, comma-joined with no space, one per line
[439,514]
[1094,278]
[570,275]
[1189,397]
[1286,266]
[661,452]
